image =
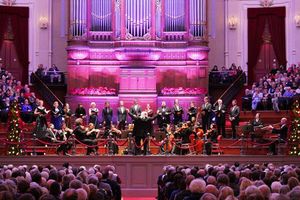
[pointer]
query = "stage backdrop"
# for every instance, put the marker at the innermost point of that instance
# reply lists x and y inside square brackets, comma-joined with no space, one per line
[14,27]
[257,19]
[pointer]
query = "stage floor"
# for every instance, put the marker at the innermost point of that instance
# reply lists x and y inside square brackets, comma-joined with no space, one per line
[139,173]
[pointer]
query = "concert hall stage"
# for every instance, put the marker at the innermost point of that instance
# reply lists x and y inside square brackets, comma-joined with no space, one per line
[139,173]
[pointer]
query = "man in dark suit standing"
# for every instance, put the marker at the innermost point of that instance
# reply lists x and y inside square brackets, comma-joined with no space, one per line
[163,118]
[122,116]
[220,111]
[142,126]
[107,115]
[135,108]
[206,114]
[178,112]
[234,117]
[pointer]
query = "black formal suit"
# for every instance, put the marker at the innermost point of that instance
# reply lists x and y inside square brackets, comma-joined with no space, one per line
[107,115]
[163,117]
[80,133]
[177,112]
[142,126]
[206,116]
[122,117]
[234,117]
[192,113]
[136,110]
[220,112]
[283,133]
[80,112]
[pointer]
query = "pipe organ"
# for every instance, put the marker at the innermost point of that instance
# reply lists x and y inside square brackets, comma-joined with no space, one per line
[149,50]
[78,10]
[138,19]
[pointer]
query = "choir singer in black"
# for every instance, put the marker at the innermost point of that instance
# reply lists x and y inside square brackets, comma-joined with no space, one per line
[234,117]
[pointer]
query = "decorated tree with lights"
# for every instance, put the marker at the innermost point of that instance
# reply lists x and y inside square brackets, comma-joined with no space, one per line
[14,130]
[294,138]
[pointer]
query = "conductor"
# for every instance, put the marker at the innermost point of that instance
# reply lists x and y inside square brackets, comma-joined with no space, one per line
[142,126]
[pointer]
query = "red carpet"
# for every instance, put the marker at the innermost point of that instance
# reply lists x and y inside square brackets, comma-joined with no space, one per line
[138,198]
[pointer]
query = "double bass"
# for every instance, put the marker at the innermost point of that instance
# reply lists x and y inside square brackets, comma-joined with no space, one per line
[169,140]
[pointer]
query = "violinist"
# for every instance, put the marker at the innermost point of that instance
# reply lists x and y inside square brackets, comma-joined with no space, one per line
[51,134]
[212,133]
[114,133]
[80,131]
[63,135]
[206,114]
[91,139]
[184,133]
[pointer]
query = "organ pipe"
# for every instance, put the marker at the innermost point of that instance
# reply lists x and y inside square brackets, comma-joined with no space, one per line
[198,18]
[101,15]
[78,18]
[138,17]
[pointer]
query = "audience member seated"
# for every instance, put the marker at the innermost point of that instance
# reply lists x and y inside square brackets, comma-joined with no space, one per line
[66,182]
[54,72]
[251,181]
[26,112]
[40,72]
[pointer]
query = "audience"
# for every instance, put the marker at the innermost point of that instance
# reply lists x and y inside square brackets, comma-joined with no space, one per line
[224,76]
[243,182]
[274,90]
[11,90]
[66,182]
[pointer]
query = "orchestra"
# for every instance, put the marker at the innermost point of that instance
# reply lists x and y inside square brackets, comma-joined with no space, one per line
[180,137]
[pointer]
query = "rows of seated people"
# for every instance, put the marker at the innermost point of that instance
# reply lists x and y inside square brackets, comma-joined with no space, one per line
[53,183]
[227,182]
[13,90]
[275,90]
[50,75]
[225,75]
